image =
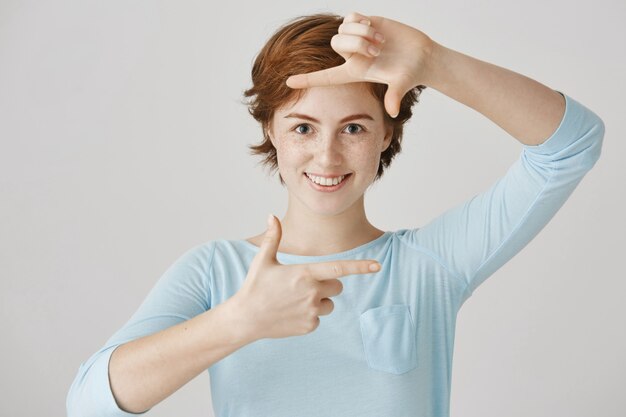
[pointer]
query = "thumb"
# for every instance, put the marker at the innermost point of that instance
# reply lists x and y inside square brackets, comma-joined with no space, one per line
[393,98]
[271,239]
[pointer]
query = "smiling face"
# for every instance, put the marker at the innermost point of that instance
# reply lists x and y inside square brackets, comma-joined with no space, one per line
[330,132]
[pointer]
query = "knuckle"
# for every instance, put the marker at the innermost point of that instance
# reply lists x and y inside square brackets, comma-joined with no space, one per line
[351,16]
[313,316]
[329,306]
[314,323]
[305,272]
[337,269]
[312,297]
[363,43]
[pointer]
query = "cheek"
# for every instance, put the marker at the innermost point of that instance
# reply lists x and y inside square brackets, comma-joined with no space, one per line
[372,155]
[287,156]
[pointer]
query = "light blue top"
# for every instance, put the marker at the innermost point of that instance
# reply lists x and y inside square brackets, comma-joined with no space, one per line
[386,349]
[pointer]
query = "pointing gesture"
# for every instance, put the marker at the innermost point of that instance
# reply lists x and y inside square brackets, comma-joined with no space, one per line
[378,50]
[279,300]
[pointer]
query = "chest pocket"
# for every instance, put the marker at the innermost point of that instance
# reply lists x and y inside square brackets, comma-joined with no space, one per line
[389,338]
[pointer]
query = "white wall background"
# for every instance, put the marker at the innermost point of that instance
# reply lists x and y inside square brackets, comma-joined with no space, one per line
[123,144]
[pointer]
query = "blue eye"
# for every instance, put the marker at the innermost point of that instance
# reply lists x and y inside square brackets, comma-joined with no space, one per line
[360,128]
[303,125]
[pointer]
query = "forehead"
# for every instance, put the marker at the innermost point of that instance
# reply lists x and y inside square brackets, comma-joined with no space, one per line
[334,101]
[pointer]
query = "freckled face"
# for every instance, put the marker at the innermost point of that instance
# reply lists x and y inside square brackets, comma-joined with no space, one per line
[334,130]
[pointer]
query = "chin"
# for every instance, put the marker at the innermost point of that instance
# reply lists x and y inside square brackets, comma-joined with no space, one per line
[331,208]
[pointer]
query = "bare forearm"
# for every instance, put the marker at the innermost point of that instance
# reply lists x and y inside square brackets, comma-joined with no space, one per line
[526,109]
[147,370]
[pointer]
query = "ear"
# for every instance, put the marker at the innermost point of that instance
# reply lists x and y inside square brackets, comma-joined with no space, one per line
[387,138]
[268,133]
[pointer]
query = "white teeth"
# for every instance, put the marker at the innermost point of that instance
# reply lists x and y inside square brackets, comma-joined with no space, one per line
[325,181]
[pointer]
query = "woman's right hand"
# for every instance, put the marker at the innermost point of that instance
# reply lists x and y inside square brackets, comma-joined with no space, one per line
[279,300]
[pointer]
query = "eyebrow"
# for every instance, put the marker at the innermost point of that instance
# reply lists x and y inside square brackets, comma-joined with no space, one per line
[345,119]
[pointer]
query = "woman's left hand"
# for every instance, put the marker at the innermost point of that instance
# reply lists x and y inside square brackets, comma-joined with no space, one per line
[401,62]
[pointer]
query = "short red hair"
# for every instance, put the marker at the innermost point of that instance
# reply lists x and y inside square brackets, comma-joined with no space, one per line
[302,45]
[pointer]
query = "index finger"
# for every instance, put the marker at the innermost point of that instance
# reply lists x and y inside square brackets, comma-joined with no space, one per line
[337,269]
[325,77]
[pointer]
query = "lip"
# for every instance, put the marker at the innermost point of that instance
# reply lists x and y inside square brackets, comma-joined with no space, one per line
[325,175]
[328,189]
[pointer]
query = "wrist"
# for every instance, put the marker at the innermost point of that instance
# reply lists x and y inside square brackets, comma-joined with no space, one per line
[435,64]
[238,321]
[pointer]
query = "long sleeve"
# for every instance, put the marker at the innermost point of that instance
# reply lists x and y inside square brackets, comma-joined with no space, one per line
[181,293]
[477,237]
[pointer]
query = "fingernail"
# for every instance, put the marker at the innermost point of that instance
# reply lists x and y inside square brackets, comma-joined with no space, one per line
[270,219]
[373,50]
[374,267]
[379,37]
[365,22]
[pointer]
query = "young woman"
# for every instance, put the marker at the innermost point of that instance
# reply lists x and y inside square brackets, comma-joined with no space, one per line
[332,95]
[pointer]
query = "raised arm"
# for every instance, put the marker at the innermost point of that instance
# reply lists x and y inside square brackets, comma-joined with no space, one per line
[382,50]
[528,110]
[561,139]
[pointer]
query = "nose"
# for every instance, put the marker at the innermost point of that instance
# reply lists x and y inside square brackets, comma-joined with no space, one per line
[328,152]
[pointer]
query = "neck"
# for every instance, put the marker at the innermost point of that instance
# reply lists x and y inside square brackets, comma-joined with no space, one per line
[308,233]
